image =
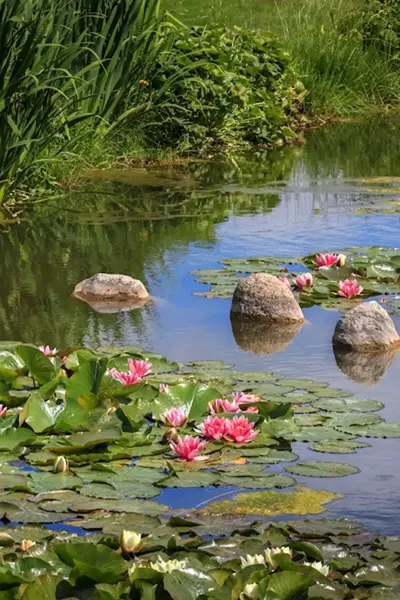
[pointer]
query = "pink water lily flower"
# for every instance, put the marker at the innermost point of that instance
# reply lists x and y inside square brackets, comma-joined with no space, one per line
[214,428]
[349,288]
[174,417]
[243,398]
[285,281]
[3,410]
[47,350]
[222,406]
[137,370]
[163,387]
[188,447]
[240,430]
[325,261]
[304,281]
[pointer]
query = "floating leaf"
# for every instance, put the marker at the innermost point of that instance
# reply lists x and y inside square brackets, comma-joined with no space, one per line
[310,468]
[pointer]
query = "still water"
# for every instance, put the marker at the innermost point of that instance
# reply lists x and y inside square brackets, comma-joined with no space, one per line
[296,201]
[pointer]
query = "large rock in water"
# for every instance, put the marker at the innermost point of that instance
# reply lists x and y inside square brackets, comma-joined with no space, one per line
[366,328]
[263,297]
[106,287]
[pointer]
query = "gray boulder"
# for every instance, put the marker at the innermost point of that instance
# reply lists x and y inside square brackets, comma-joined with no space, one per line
[263,297]
[366,328]
[106,287]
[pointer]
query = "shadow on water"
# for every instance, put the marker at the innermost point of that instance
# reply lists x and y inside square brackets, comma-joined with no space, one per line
[293,202]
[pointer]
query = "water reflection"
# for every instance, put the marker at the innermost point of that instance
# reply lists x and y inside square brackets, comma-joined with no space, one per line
[263,338]
[364,368]
[295,202]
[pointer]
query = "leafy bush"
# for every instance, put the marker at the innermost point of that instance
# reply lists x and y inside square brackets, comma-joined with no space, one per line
[235,89]
[381,26]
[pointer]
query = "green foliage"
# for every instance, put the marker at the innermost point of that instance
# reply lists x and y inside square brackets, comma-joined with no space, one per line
[61,65]
[381,26]
[235,89]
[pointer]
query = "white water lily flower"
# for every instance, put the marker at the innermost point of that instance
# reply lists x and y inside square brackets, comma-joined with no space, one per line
[270,552]
[256,559]
[318,566]
[130,541]
[167,566]
[251,591]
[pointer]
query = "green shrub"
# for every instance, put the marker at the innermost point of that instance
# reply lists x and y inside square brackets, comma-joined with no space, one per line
[235,89]
[381,26]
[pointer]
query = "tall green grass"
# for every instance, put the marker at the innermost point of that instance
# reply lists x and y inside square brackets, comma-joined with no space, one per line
[67,61]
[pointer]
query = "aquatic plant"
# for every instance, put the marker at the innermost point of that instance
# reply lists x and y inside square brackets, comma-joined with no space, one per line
[304,281]
[188,447]
[137,370]
[240,430]
[130,541]
[325,261]
[47,350]
[271,553]
[214,428]
[349,288]
[174,417]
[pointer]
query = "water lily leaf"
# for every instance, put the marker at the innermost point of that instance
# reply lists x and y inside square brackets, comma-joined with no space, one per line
[192,397]
[288,585]
[11,439]
[320,434]
[379,430]
[268,455]
[356,404]
[47,482]
[268,480]
[374,574]
[39,414]
[97,562]
[39,365]
[87,378]
[338,447]
[144,507]
[80,441]
[188,583]
[310,468]
[10,365]
[191,479]
[11,481]
[325,527]
[44,588]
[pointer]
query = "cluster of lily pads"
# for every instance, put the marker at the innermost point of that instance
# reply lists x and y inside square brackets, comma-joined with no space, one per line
[89,438]
[328,279]
[179,560]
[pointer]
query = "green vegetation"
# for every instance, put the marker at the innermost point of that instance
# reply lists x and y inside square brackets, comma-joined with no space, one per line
[342,49]
[85,83]
[85,451]
[373,270]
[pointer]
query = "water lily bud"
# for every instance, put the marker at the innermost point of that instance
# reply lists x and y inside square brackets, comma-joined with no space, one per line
[341,260]
[251,591]
[130,541]
[61,465]
[6,539]
[171,435]
[27,545]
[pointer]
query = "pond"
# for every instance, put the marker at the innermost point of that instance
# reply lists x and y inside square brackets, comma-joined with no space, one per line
[296,201]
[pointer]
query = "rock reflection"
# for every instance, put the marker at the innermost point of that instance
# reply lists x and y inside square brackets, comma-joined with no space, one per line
[362,367]
[111,306]
[263,338]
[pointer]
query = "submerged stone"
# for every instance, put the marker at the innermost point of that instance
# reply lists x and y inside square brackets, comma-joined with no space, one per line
[304,501]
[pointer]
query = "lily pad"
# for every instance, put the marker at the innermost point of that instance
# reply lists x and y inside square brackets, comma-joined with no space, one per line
[321,469]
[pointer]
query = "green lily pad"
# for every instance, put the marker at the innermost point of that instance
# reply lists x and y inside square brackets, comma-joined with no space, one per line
[97,562]
[321,469]
[339,447]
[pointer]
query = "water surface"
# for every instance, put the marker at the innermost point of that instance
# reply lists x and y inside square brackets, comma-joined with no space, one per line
[296,201]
